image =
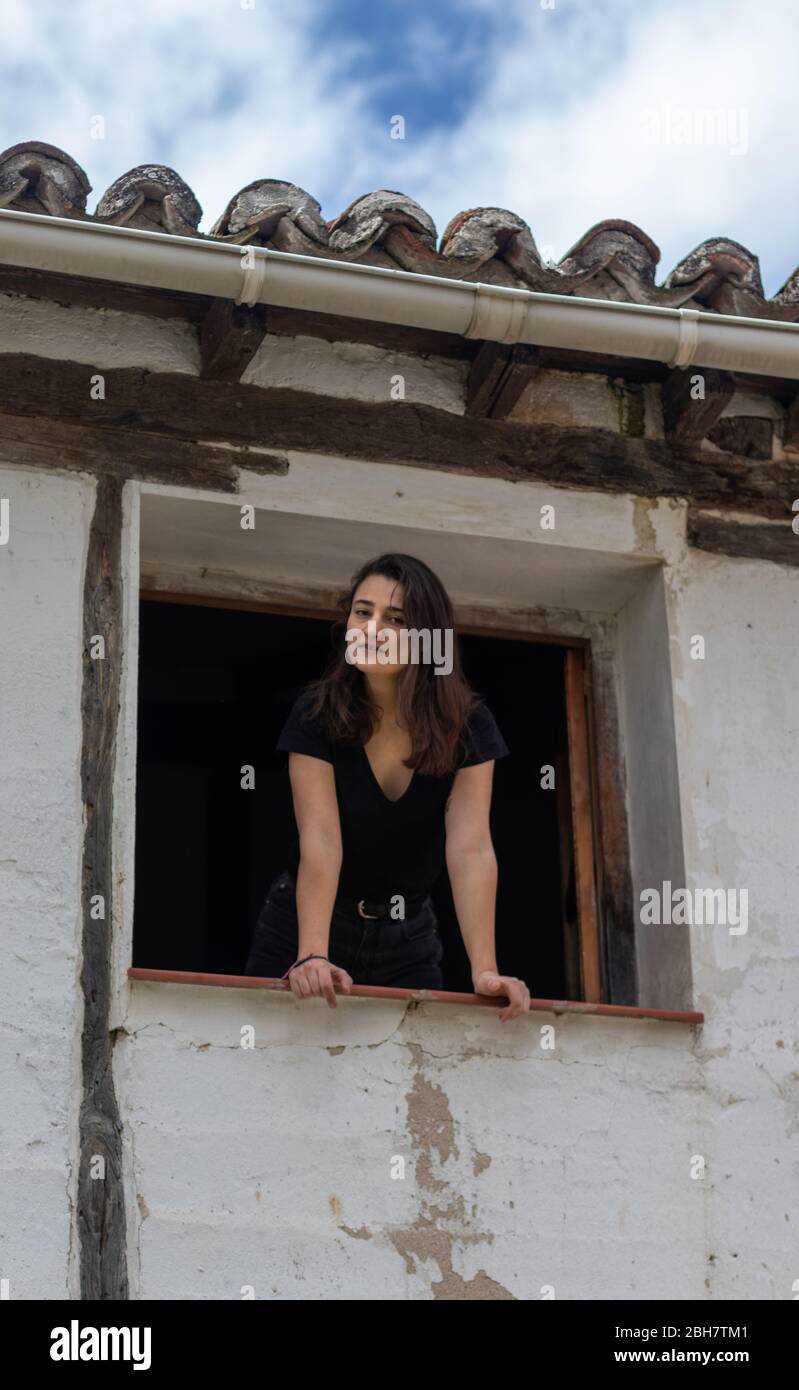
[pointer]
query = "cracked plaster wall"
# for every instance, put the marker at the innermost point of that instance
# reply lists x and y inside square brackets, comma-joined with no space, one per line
[520,1165]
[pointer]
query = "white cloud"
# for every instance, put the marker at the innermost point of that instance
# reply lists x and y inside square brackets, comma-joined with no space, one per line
[578,157]
[221,93]
[226,94]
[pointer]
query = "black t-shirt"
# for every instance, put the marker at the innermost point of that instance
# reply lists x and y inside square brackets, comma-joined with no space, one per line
[389,847]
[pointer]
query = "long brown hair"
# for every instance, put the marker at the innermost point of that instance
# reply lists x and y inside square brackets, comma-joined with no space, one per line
[434,709]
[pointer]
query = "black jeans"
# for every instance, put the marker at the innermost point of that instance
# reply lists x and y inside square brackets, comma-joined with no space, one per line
[399,955]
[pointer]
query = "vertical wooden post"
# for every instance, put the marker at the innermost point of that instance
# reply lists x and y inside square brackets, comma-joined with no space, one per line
[582,823]
[570,927]
[101,1204]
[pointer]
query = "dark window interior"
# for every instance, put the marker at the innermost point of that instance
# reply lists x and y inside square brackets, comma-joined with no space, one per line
[215,685]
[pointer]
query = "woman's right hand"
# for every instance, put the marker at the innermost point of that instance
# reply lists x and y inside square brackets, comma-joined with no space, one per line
[319,978]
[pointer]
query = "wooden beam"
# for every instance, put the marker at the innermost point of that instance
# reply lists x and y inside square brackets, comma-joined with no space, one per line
[617,916]
[102,1235]
[36,443]
[498,377]
[420,436]
[759,541]
[230,336]
[582,822]
[103,294]
[569,924]
[687,419]
[484,377]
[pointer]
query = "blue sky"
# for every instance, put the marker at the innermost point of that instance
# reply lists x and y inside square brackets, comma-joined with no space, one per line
[677,115]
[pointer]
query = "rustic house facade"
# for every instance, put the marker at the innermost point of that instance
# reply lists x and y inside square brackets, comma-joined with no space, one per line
[201,438]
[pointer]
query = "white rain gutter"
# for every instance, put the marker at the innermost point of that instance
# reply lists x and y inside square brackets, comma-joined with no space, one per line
[256,275]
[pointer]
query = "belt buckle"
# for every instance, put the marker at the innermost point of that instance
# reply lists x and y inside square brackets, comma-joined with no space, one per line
[367,916]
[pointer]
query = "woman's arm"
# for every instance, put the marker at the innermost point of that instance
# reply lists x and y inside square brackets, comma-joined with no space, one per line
[313,788]
[472,868]
[472,864]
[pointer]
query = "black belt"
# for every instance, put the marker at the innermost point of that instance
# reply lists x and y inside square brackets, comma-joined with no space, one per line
[373,911]
[381,912]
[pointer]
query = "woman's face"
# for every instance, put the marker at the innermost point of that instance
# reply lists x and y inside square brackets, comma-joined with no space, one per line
[379,601]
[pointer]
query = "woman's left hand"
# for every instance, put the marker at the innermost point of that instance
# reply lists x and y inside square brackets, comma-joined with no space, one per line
[487,982]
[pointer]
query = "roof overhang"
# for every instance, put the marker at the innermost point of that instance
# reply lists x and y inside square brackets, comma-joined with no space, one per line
[251,275]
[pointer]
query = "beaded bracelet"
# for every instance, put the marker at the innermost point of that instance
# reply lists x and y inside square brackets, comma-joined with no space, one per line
[302,962]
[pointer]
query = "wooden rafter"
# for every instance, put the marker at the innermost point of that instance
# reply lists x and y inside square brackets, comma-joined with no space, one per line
[230,336]
[693,400]
[498,377]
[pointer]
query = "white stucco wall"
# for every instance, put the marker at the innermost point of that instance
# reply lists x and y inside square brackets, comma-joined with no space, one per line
[737,719]
[41,846]
[527,1168]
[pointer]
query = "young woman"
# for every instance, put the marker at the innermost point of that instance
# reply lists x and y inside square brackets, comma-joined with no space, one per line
[391,767]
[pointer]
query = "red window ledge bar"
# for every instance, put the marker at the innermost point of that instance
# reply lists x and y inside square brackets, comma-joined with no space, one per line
[427,996]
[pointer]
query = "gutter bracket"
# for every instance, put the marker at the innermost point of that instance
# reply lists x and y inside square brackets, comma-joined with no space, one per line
[687,340]
[253,271]
[497,318]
